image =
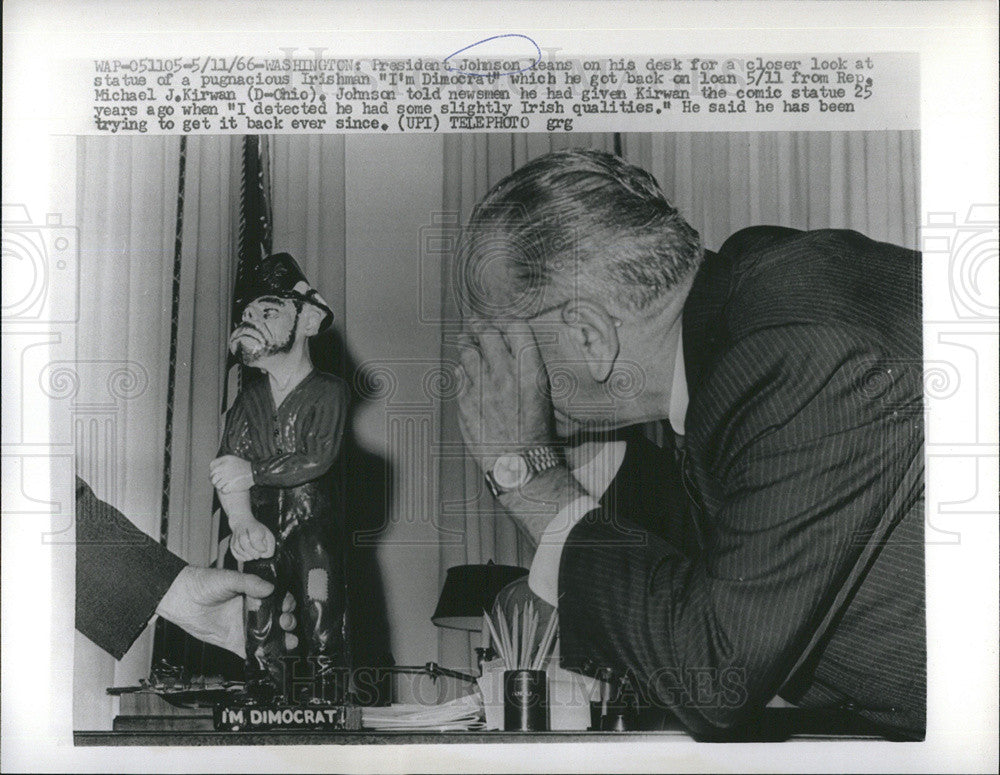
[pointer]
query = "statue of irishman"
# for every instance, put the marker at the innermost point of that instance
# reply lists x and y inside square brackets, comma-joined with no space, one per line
[275,479]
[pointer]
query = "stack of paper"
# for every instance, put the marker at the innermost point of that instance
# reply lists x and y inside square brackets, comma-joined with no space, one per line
[463,713]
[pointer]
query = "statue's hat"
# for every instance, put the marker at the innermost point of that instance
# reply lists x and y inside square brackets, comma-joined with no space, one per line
[278,275]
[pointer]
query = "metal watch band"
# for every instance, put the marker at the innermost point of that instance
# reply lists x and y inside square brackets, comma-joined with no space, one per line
[538,459]
[541,458]
[493,486]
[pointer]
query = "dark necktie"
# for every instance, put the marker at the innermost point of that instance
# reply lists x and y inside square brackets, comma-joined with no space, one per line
[654,490]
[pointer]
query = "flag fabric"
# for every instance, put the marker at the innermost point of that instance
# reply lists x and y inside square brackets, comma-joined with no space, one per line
[253,244]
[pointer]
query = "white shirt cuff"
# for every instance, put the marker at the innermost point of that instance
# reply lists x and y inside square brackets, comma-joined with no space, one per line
[543,578]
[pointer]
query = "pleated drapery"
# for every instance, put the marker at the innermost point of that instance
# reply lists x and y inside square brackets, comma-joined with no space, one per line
[126,207]
[723,182]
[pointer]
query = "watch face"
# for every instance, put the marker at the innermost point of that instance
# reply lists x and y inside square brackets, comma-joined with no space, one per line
[510,471]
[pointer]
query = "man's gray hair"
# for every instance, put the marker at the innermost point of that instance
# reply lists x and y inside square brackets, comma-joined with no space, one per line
[581,218]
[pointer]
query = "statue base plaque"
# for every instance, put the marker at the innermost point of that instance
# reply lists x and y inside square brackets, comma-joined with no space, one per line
[247,715]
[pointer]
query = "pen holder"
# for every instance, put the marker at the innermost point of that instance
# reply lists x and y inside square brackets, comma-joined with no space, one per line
[525,701]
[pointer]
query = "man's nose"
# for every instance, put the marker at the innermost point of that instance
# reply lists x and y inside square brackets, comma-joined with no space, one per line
[249,316]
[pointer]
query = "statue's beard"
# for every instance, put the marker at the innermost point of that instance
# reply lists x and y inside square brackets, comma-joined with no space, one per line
[251,347]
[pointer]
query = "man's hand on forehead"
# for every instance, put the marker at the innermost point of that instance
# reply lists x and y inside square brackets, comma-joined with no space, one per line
[511,331]
[503,406]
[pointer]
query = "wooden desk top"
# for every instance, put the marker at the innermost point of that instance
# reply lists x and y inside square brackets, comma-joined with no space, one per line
[777,725]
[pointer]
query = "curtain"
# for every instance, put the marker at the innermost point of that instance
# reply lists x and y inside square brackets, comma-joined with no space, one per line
[721,182]
[115,390]
[308,207]
[208,251]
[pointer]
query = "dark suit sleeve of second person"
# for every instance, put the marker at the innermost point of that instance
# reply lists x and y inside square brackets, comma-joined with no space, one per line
[806,432]
[121,574]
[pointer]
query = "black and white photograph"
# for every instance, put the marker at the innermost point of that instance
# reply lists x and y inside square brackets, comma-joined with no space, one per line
[437,356]
[390,439]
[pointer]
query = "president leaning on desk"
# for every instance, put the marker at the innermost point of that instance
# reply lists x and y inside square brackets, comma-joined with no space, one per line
[789,368]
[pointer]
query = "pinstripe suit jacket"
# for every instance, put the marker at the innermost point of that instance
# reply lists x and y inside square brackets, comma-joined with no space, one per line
[121,574]
[803,353]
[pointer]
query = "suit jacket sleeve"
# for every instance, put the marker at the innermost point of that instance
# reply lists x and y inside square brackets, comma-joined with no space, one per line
[121,574]
[809,431]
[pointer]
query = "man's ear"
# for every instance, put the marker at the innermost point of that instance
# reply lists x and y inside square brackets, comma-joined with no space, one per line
[594,335]
[310,319]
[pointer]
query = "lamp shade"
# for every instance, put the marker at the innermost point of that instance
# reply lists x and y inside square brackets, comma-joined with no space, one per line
[469,590]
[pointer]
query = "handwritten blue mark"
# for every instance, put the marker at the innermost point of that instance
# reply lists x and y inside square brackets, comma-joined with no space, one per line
[538,57]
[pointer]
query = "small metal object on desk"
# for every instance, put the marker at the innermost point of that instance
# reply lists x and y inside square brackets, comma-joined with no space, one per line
[617,708]
[432,669]
[484,655]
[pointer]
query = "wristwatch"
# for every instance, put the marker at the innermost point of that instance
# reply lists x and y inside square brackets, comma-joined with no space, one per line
[517,469]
